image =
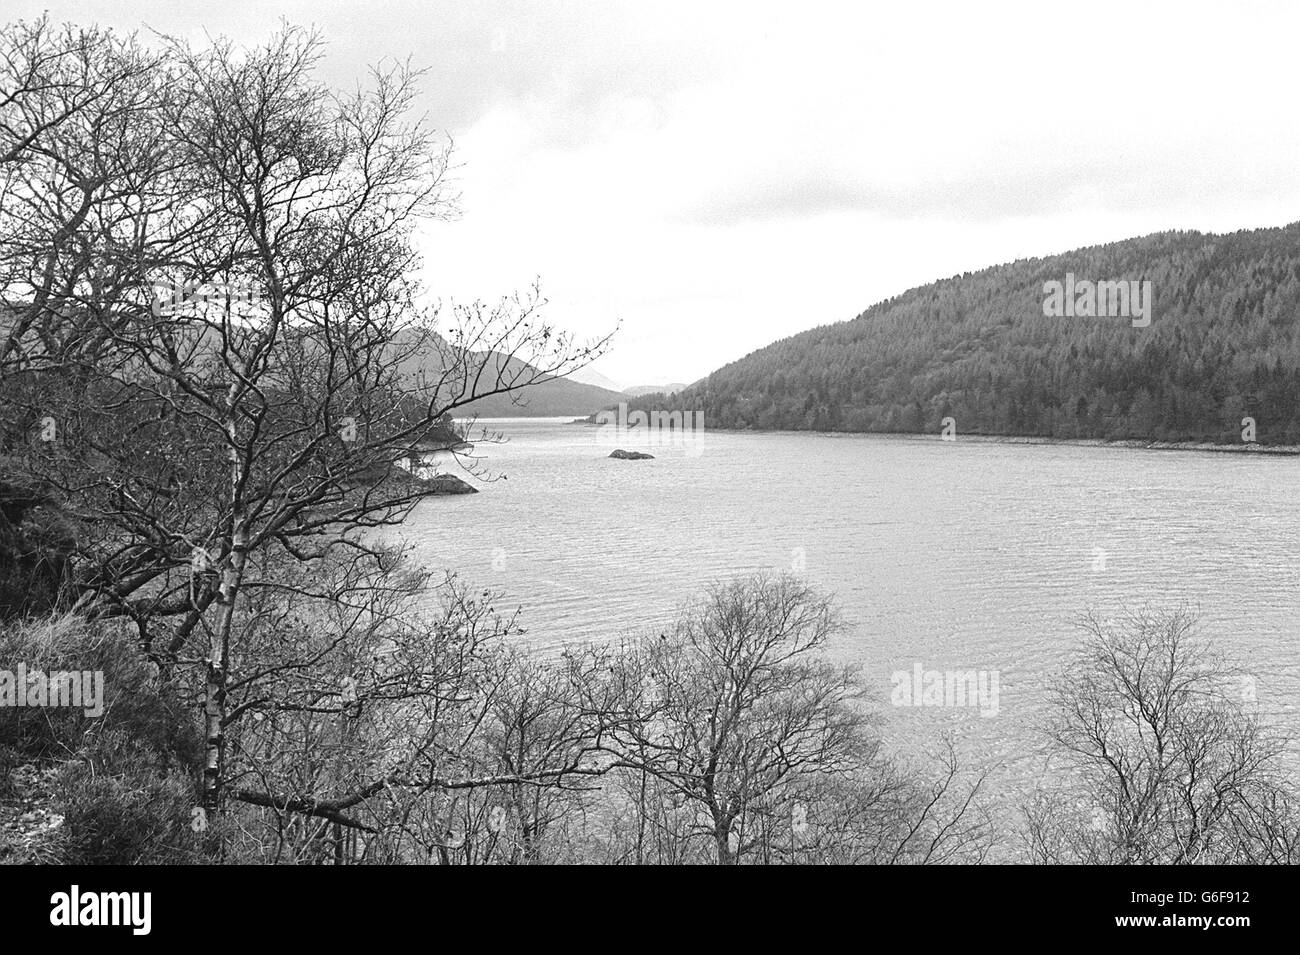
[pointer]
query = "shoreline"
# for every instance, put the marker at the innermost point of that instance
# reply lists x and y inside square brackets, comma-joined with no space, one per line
[1134,444]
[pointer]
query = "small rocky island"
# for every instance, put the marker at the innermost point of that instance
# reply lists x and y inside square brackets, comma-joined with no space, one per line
[447,484]
[432,485]
[631,455]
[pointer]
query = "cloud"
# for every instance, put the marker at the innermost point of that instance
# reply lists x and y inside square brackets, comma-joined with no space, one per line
[722,175]
[991,195]
[805,195]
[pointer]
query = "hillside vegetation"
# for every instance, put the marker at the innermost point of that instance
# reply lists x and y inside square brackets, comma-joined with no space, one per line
[1222,345]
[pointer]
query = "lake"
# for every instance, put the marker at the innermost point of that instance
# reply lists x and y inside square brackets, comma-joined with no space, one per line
[955,555]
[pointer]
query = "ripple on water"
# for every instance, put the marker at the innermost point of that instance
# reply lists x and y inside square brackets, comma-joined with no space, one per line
[957,555]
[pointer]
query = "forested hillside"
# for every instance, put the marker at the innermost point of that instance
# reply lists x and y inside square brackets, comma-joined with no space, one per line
[1222,345]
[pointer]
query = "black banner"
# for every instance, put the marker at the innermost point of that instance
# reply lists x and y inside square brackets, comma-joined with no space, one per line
[144,906]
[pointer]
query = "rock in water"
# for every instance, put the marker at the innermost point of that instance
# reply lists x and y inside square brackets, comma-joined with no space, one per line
[631,455]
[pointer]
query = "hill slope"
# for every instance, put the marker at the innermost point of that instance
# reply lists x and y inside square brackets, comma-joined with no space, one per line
[636,391]
[1223,344]
[549,397]
[554,397]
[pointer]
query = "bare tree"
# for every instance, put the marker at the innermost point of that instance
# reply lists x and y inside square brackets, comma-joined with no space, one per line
[1167,764]
[885,814]
[262,404]
[733,706]
[536,725]
[83,165]
[525,753]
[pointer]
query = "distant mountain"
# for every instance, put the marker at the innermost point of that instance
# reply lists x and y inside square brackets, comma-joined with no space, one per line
[554,397]
[588,376]
[638,390]
[1223,344]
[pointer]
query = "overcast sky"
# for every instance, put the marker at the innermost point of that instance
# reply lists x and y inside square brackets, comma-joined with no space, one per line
[720,178]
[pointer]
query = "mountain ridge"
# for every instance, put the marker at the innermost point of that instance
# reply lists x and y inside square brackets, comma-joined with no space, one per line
[977,347]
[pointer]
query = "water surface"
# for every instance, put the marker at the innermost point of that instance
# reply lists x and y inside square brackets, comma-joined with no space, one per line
[957,555]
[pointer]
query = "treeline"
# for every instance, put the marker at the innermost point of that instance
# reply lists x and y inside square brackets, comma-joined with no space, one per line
[391,736]
[1223,344]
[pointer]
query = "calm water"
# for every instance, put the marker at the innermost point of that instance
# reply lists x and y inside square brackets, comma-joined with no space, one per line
[957,555]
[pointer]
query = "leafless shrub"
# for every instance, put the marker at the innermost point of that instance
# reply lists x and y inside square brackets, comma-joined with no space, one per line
[1166,763]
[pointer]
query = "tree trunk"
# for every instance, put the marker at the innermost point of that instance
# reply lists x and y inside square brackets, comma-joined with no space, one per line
[214,697]
[722,838]
[214,700]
